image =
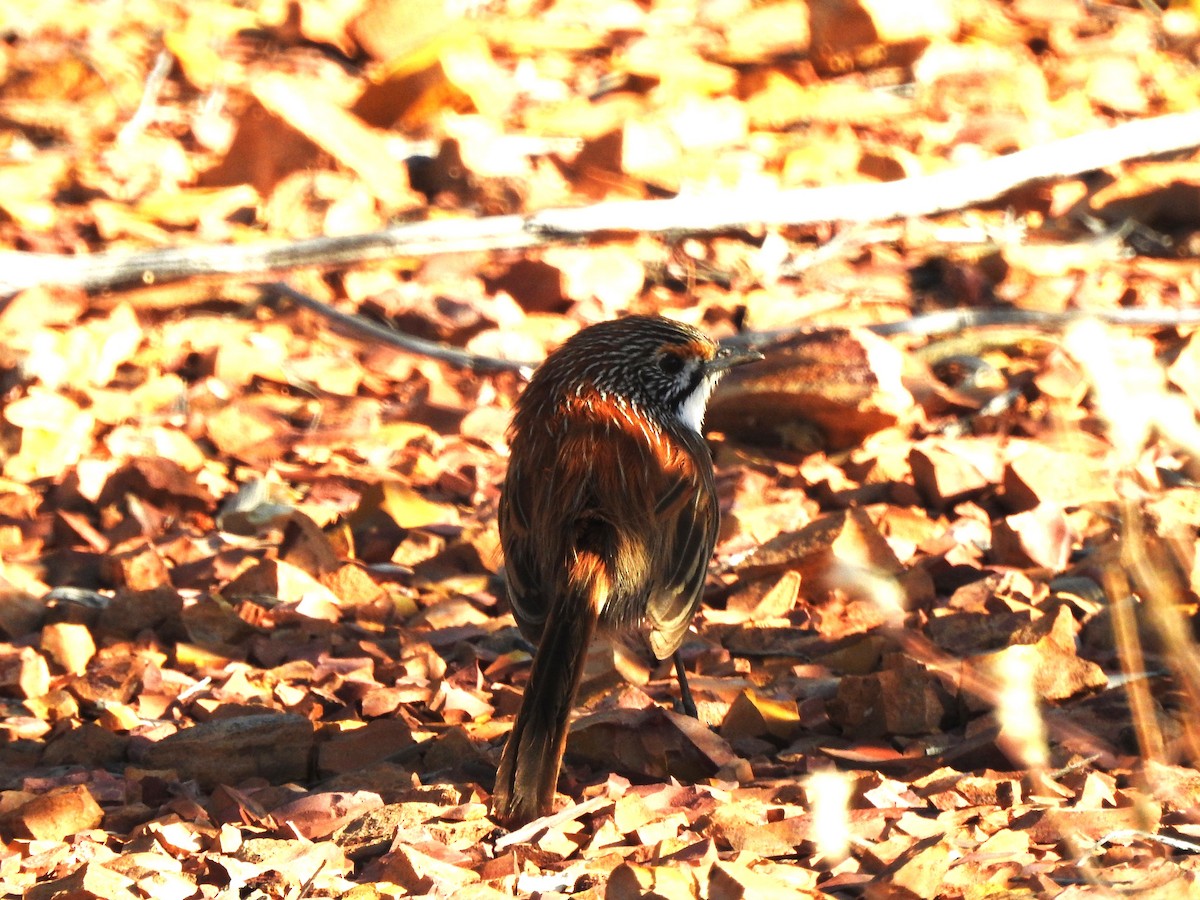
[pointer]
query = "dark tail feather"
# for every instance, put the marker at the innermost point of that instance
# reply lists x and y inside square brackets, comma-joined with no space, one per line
[529,765]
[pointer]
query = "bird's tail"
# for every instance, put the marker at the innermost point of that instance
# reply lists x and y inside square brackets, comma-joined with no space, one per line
[529,765]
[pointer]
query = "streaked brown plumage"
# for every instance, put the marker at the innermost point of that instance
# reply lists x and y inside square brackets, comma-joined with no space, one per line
[607,519]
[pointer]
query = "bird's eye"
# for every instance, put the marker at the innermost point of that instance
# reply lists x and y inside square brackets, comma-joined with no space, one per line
[670,363]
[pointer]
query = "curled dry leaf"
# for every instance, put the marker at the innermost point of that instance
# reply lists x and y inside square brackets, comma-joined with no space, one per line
[1040,536]
[843,385]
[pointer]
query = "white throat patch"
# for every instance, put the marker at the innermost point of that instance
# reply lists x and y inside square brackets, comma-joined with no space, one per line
[691,411]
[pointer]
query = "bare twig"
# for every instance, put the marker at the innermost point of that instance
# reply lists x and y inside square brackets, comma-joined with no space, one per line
[144,113]
[360,326]
[952,320]
[923,195]
[948,321]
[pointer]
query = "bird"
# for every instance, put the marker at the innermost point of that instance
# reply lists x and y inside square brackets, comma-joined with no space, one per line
[608,517]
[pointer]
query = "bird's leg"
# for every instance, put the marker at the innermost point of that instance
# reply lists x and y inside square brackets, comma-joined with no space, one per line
[685,693]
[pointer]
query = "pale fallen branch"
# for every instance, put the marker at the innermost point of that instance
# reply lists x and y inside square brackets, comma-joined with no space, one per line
[686,214]
[113,269]
[922,195]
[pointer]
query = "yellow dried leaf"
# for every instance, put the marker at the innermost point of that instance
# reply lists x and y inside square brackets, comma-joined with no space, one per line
[197,45]
[54,706]
[756,716]
[36,215]
[611,274]
[364,150]
[119,717]
[69,644]
[768,31]
[410,510]
[85,355]
[455,72]
[681,72]
[55,434]
[189,206]
[706,124]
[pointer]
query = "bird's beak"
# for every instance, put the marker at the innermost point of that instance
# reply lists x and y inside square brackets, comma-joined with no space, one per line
[728,357]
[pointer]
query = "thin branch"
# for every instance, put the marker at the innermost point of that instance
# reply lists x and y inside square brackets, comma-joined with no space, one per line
[947,321]
[359,326]
[145,111]
[713,212]
[953,320]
